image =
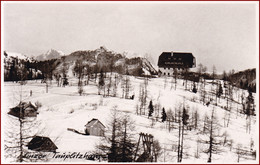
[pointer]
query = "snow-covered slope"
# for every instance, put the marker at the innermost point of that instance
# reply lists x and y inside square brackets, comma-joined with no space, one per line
[63,108]
[148,66]
[19,56]
[50,54]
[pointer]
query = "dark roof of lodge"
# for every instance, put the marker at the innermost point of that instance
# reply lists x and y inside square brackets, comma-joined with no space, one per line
[93,122]
[178,59]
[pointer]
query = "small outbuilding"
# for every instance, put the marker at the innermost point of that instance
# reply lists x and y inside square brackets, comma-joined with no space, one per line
[24,109]
[44,144]
[95,127]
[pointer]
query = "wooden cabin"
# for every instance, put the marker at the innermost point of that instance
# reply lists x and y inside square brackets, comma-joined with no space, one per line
[95,127]
[44,144]
[24,109]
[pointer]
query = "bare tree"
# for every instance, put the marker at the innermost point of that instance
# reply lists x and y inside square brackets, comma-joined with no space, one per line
[126,86]
[126,142]
[157,108]
[211,137]
[143,96]
[142,99]
[175,77]
[119,144]
[88,72]
[115,84]
[109,85]
[200,71]
[64,71]
[101,82]
[197,153]
[214,72]
[195,119]
[58,79]
[185,74]
[96,70]
[203,94]
[19,130]
[227,116]
[205,121]
[183,121]
[18,134]
[170,119]
[114,125]
[249,110]
[172,82]
[211,129]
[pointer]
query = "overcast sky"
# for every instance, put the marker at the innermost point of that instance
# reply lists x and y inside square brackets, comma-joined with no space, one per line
[220,34]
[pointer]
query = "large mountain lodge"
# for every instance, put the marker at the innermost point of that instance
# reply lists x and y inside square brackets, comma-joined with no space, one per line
[168,61]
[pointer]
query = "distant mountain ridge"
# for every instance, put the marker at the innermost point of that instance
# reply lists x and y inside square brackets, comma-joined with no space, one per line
[49,55]
[108,61]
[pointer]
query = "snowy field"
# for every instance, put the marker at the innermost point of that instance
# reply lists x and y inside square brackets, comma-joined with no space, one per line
[63,108]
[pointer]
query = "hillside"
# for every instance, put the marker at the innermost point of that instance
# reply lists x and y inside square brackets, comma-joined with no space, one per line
[18,66]
[63,108]
[244,79]
[54,64]
[107,61]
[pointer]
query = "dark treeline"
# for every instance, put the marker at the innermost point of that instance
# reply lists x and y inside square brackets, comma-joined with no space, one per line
[93,60]
[108,61]
[244,79]
[24,69]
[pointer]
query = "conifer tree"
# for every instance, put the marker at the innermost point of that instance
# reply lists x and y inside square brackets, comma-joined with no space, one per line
[220,90]
[151,109]
[164,116]
[194,90]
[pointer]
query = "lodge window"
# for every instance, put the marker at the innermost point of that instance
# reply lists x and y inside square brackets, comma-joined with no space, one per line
[168,74]
[164,73]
